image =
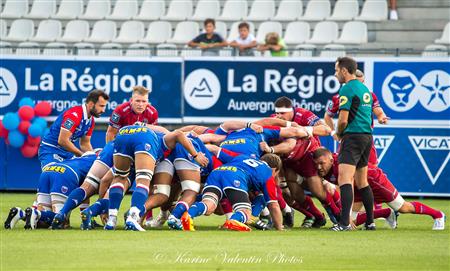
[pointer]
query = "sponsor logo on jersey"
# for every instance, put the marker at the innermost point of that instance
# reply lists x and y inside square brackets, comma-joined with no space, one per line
[342,100]
[133,130]
[236,183]
[64,189]
[68,124]
[115,117]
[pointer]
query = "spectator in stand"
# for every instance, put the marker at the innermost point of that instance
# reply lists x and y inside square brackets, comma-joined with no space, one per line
[393,15]
[209,42]
[244,44]
[275,44]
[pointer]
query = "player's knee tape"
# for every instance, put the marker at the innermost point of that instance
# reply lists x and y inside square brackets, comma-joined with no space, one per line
[354,215]
[93,180]
[44,200]
[121,173]
[241,206]
[190,185]
[212,193]
[162,189]
[165,166]
[299,179]
[397,203]
[145,174]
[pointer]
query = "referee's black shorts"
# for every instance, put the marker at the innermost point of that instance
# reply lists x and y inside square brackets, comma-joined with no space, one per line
[355,149]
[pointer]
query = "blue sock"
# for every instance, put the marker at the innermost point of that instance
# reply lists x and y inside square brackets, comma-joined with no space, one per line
[47,216]
[99,207]
[239,216]
[115,196]
[139,197]
[179,209]
[258,205]
[197,209]
[75,198]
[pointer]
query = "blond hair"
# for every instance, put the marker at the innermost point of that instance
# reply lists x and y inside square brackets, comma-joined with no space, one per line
[140,90]
[272,38]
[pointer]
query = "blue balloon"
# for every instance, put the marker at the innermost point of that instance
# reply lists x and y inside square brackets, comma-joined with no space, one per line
[35,130]
[16,139]
[40,121]
[26,101]
[11,121]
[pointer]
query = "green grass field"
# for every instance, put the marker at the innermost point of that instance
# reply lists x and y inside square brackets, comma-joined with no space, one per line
[413,246]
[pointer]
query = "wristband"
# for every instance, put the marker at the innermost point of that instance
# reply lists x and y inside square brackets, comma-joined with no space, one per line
[309,130]
[272,150]
[249,124]
[333,133]
[195,156]
[288,124]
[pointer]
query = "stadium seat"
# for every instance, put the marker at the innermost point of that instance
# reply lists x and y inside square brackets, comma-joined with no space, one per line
[76,31]
[234,30]
[267,27]
[344,10]
[20,30]
[221,29]
[48,31]
[97,10]
[374,10]
[289,10]
[55,49]
[297,32]
[69,9]
[84,49]
[316,10]
[206,9]
[3,29]
[304,50]
[261,10]
[5,48]
[110,49]
[166,49]
[14,9]
[102,32]
[333,51]
[28,48]
[234,10]
[139,50]
[353,32]
[179,10]
[324,33]
[124,10]
[131,32]
[190,52]
[158,32]
[445,38]
[151,10]
[435,50]
[184,32]
[42,9]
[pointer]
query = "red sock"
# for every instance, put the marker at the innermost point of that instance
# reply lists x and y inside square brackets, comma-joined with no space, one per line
[423,209]
[361,217]
[329,201]
[308,204]
[149,214]
[280,198]
[226,206]
[302,210]
[337,199]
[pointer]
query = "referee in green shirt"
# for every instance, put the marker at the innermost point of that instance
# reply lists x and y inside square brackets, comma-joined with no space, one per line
[355,133]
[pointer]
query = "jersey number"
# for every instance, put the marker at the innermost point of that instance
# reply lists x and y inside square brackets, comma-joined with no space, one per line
[252,162]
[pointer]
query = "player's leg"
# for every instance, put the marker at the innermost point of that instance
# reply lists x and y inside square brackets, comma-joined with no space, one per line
[211,195]
[346,173]
[419,208]
[315,185]
[359,217]
[242,210]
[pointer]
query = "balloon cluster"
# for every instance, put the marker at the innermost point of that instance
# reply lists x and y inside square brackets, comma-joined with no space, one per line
[25,128]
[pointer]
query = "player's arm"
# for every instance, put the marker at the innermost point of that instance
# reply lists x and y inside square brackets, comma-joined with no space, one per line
[284,147]
[275,213]
[233,125]
[321,129]
[64,141]
[381,116]
[158,128]
[85,144]
[276,122]
[111,133]
[211,138]
[342,122]
[287,132]
[328,121]
[172,138]
[345,102]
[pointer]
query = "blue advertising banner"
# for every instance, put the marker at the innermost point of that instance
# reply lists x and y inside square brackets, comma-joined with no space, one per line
[66,82]
[219,89]
[413,90]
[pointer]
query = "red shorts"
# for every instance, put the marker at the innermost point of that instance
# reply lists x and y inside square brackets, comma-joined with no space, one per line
[373,159]
[383,190]
[305,167]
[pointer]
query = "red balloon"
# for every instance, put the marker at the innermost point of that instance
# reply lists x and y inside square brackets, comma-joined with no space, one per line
[33,141]
[26,112]
[23,127]
[3,131]
[29,151]
[43,109]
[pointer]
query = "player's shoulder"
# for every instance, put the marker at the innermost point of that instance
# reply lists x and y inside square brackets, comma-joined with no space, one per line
[123,108]
[151,109]
[75,113]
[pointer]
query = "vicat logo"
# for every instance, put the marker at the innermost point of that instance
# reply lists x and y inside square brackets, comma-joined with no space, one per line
[382,144]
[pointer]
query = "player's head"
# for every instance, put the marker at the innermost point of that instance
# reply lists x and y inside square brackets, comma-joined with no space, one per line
[274,162]
[139,99]
[210,25]
[272,38]
[360,75]
[323,159]
[345,69]
[244,30]
[96,102]
[284,109]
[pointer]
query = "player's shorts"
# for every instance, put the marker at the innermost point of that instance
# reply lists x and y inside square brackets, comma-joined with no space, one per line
[305,167]
[383,192]
[57,183]
[165,166]
[355,149]
[128,145]
[223,180]
[106,155]
[48,154]
[182,160]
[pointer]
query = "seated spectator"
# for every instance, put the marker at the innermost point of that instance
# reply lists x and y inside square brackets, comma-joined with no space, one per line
[245,43]
[275,44]
[209,42]
[393,15]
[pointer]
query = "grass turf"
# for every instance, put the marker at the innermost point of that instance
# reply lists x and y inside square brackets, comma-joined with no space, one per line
[413,246]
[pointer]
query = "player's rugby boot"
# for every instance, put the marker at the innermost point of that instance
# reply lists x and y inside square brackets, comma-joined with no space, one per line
[15,214]
[234,225]
[187,222]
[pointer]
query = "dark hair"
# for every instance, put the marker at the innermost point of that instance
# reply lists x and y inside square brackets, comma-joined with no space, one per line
[283,102]
[348,63]
[321,152]
[209,21]
[95,94]
[244,25]
[273,160]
